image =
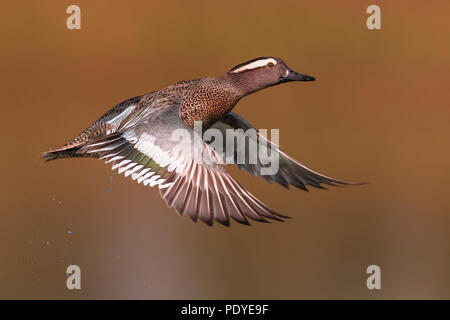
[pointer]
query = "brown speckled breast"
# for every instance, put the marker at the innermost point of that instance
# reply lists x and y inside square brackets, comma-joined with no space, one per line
[206,102]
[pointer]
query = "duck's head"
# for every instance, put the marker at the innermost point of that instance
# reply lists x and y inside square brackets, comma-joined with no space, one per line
[264,72]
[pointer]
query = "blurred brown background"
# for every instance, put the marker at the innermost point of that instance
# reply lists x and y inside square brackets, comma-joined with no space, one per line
[379,112]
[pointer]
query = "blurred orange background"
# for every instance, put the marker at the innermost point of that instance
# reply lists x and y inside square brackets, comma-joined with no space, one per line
[378,112]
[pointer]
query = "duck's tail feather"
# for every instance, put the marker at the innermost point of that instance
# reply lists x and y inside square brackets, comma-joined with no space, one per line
[67,153]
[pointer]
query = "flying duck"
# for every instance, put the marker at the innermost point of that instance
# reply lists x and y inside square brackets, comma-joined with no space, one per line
[137,138]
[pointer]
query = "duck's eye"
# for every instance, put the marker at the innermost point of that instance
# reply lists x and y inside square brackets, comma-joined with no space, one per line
[270,64]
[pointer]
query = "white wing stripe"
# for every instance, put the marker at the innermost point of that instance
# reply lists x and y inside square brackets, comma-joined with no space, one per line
[137,175]
[165,185]
[131,165]
[123,162]
[114,159]
[128,172]
[145,176]
[118,119]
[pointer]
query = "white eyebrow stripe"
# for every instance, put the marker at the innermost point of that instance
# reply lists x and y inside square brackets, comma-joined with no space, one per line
[255,64]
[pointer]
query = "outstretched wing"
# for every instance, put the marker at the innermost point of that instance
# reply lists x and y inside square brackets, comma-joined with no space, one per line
[123,116]
[162,151]
[290,171]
